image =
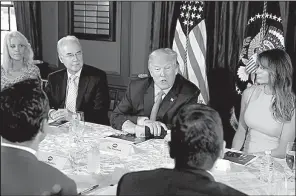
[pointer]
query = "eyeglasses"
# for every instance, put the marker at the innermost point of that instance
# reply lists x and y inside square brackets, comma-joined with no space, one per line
[70,55]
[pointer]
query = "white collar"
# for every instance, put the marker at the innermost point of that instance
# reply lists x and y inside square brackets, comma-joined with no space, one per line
[30,150]
[210,173]
[76,74]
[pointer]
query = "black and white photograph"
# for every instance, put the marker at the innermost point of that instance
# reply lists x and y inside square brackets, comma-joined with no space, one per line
[148,98]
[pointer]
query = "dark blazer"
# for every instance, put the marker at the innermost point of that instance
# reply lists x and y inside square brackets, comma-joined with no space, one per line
[23,174]
[139,100]
[93,94]
[172,182]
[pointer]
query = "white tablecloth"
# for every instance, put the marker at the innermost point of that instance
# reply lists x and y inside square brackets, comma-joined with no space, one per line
[148,155]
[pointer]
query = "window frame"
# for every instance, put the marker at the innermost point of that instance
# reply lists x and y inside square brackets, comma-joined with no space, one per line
[9,22]
[9,6]
[98,37]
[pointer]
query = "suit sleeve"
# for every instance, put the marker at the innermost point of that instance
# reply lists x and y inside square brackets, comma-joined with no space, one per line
[48,91]
[123,111]
[71,189]
[99,112]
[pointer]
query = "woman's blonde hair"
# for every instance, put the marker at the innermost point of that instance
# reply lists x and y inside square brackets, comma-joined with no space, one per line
[28,53]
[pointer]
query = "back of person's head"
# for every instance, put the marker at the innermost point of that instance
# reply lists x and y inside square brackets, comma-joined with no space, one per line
[24,108]
[197,137]
[64,40]
[278,63]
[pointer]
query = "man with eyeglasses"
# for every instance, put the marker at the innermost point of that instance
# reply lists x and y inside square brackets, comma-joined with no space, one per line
[79,87]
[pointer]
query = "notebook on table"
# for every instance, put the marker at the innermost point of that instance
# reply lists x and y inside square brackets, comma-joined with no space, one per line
[239,157]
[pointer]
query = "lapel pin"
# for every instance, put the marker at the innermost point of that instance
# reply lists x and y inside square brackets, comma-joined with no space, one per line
[172,99]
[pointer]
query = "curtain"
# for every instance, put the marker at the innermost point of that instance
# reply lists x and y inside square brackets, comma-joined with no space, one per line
[163,23]
[288,14]
[28,21]
[225,23]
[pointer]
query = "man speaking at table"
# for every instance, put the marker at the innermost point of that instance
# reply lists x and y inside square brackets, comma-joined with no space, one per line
[154,101]
[24,107]
[196,143]
[79,87]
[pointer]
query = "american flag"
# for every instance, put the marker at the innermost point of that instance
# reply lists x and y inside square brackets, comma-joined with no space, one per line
[190,44]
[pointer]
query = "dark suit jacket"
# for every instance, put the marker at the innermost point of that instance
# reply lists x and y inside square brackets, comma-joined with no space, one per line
[23,174]
[139,100]
[172,182]
[93,94]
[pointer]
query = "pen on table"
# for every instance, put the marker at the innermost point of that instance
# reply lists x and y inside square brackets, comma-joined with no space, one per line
[88,190]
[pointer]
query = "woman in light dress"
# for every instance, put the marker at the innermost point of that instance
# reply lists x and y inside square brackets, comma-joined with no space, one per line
[267,118]
[17,60]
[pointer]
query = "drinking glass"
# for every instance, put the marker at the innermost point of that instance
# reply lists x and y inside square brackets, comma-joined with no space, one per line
[77,155]
[279,185]
[290,158]
[77,126]
[78,115]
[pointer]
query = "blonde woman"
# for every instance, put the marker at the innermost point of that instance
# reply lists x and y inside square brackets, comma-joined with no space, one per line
[17,60]
[267,119]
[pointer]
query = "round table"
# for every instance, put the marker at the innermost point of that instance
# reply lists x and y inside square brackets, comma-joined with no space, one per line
[148,155]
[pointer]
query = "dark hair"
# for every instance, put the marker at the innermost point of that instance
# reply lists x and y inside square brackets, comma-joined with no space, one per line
[23,107]
[197,136]
[279,66]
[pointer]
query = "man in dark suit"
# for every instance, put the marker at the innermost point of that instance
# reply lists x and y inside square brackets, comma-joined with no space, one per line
[196,143]
[166,88]
[24,108]
[79,87]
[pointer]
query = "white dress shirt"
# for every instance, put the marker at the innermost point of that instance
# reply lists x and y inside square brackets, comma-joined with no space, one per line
[78,77]
[69,75]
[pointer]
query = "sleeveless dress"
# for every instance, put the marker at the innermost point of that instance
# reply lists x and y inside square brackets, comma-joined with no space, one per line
[264,131]
[32,71]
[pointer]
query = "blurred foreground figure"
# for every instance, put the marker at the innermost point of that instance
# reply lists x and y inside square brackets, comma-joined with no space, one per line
[196,144]
[24,108]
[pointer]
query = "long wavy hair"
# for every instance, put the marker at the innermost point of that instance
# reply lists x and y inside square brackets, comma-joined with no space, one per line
[28,53]
[279,66]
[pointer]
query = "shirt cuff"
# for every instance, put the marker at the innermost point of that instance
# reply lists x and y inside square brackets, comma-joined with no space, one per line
[49,113]
[141,119]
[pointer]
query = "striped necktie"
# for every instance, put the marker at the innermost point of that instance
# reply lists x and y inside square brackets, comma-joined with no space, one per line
[156,105]
[72,93]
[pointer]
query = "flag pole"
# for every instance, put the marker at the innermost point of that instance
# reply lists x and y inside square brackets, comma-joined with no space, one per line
[185,74]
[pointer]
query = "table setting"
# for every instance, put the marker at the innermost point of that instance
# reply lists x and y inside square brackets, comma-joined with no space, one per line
[98,171]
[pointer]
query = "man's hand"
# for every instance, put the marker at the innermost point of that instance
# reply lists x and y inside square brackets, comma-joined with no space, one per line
[155,127]
[55,191]
[58,115]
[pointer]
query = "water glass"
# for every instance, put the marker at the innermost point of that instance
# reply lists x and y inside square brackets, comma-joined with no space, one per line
[77,126]
[279,185]
[94,159]
[76,157]
[79,115]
